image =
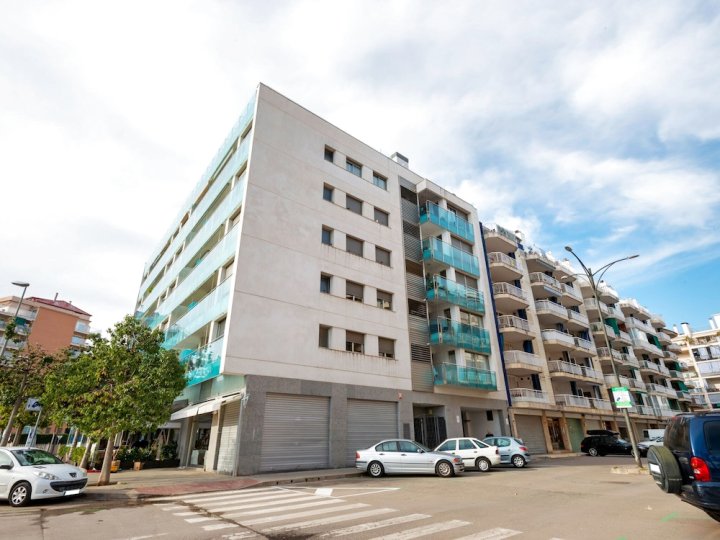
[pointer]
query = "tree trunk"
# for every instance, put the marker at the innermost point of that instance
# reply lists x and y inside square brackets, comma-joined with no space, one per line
[69,453]
[13,413]
[104,479]
[86,455]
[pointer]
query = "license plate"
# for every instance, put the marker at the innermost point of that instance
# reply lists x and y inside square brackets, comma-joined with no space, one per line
[72,492]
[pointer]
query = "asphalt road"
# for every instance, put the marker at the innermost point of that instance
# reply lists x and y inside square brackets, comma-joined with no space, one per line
[562,499]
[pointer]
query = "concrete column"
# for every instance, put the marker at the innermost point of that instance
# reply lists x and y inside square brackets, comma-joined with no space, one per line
[336,339]
[371,346]
[370,296]
[546,432]
[338,426]
[565,433]
[337,286]
[453,421]
[211,456]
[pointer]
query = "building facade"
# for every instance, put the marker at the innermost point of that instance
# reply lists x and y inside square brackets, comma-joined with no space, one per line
[699,352]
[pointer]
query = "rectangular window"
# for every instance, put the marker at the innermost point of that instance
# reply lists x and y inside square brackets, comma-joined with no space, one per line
[462,246]
[386,347]
[354,246]
[381,217]
[325,283]
[384,300]
[353,204]
[354,291]
[382,256]
[327,236]
[353,167]
[329,154]
[324,338]
[220,328]
[327,193]
[379,180]
[354,341]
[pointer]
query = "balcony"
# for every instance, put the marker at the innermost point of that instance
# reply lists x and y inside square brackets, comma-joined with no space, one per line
[569,371]
[27,314]
[522,363]
[663,338]
[550,312]
[623,338]
[665,413]
[577,321]
[698,399]
[602,404]
[709,368]
[645,410]
[597,328]
[545,286]
[585,345]
[660,389]
[683,395]
[438,255]
[82,328]
[456,334]
[630,360]
[503,267]
[607,294]
[649,366]
[203,363]
[11,344]
[632,322]
[538,261]
[521,396]
[674,347]
[669,355]
[591,305]
[604,354]
[498,238]
[78,341]
[444,290]
[643,345]
[514,328]
[657,321]
[568,400]
[434,219]
[555,340]
[636,384]
[509,298]
[466,377]
[615,313]
[610,381]
[631,306]
[571,295]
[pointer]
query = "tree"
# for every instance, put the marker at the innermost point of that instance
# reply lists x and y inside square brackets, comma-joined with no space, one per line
[125,383]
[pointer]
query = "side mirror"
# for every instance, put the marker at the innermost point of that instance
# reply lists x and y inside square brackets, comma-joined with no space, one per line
[7,467]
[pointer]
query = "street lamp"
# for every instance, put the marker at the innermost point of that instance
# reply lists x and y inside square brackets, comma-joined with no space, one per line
[24,286]
[591,277]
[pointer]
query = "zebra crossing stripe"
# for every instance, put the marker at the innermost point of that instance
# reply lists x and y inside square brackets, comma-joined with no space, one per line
[222,506]
[363,527]
[183,514]
[283,508]
[193,496]
[286,517]
[328,520]
[239,535]
[173,507]
[200,499]
[219,526]
[201,519]
[424,531]
[254,504]
[492,534]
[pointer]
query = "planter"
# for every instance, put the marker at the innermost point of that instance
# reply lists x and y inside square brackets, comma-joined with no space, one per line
[138,466]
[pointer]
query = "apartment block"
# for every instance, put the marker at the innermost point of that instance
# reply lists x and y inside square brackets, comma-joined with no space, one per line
[323,297]
[699,353]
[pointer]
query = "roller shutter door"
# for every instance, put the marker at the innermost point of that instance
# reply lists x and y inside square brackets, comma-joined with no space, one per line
[295,433]
[367,423]
[530,430]
[593,424]
[575,433]
[228,438]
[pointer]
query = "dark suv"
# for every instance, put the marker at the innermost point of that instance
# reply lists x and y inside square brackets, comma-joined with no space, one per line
[688,465]
[602,441]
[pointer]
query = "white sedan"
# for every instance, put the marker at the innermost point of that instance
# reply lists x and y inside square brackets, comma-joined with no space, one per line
[30,473]
[474,453]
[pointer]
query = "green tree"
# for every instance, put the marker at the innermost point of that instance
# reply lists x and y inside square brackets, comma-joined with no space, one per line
[125,383]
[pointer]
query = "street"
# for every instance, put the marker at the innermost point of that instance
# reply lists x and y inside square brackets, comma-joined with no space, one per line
[560,499]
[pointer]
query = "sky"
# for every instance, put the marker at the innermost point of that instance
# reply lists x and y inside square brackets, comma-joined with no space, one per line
[595,125]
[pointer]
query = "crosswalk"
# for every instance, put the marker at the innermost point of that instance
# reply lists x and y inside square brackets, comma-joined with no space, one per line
[274,511]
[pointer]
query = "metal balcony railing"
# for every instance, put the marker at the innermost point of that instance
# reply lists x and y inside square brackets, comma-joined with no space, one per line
[529,395]
[547,281]
[512,321]
[603,404]
[568,400]
[500,258]
[560,366]
[551,307]
[522,357]
[512,290]
[557,335]
[578,317]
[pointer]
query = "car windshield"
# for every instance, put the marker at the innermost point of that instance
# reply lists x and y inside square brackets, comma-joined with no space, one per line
[425,448]
[35,457]
[622,440]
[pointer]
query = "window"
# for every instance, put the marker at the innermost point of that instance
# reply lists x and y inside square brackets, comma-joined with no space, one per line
[220,328]
[325,283]
[409,447]
[379,180]
[462,246]
[353,204]
[465,444]
[447,446]
[353,167]
[479,444]
[381,217]
[384,300]
[354,341]
[387,446]
[354,246]
[327,193]
[329,154]
[324,339]
[353,291]
[327,236]
[386,347]
[382,256]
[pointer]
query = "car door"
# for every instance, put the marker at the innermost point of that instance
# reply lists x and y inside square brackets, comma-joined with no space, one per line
[414,458]
[467,451]
[504,448]
[6,475]
[389,456]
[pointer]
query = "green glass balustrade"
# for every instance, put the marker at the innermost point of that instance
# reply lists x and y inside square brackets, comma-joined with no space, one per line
[449,221]
[447,254]
[203,363]
[469,377]
[447,332]
[440,288]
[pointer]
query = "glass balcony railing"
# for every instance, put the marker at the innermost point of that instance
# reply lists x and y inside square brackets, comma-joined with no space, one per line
[203,363]
[449,221]
[469,377]
[450,255]
[82,328]
[79,341]
[438,287]
[447,332]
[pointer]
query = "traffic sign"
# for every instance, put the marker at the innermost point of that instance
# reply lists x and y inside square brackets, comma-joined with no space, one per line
[33,404]
[621,396]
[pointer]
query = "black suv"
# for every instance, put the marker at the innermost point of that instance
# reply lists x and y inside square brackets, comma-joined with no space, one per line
[688,465]
[602,441]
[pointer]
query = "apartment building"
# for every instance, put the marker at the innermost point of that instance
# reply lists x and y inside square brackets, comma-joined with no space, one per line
[323,296]
[558,364]
[51,324]
[699,352]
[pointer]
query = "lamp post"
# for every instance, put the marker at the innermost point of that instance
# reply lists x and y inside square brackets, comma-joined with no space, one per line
[591,276]
[24,286]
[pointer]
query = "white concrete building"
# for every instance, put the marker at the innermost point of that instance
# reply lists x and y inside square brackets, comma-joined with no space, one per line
[700,353]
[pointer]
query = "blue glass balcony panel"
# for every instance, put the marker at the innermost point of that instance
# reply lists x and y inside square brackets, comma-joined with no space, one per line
[450,255]
[203,363]
[438,287]
[468,377]
[465,336]
[449,221]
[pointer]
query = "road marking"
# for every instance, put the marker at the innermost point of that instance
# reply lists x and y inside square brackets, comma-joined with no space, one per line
[239,535]
[183,514]
[212,494]
[324,492]
[283,508]
[174,507]
[254,504]
[219,526]
[424,531]
[217,506]
[328,520]
[235,495]
[260,521]
[201,519]
[494,534]
[363,527]
[145,537]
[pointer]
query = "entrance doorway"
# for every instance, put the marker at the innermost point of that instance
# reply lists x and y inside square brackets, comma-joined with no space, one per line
[556,434]
[199,440]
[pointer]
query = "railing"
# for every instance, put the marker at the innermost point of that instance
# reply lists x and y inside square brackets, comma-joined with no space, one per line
[592,373]
[652,366]
[530,395]
[557,335]
[560,366]
[11,344]
[665,413]
[709,367]
[547,281]
[669,354]
[500,231]
[567,400]
[604,288]
[598,328]
[674,347]
[570,290]
[438,287]
[512,290]
[447,220]
[616,313]
[657,321]
[624,337]
[645,409]
[603,404]
[82,328]
[637,383]
[448,254]
[449,332]
[454,375]
[657,388]
[500,258]
[664,370]
[698,399]
[682,394]
[604,352]
[610,381]
[79,341]
[642,325]
[522,357]
[630,359]
[640,343]
[632,304]
[511,321]
[578,317]
[547,305]
[27,314]
[585,344]
[591,303]
[203,363]
[540,254]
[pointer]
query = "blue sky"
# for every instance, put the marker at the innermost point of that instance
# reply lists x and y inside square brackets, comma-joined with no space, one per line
[595,125]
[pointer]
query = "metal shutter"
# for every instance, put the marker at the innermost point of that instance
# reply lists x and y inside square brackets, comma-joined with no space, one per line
[575,433]
[593,424]
[228,438]
[530,430]
[295,433]
[367,423]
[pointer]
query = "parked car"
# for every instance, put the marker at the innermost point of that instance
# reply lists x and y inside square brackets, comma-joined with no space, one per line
[30,473]
[688,463]
[511,450]
[403,456]
[474,453]
[601,445]
[643,446]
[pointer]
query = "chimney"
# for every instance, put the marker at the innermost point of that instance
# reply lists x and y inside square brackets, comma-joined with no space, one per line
[675,329]
[716,318]
[713,324]
[55,299]
[686,329]
[397,157]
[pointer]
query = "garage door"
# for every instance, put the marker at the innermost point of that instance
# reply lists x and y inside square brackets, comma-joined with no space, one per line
[593,424]
[295,433]
[367,423]
[530,430]
[575,433]
[228,438]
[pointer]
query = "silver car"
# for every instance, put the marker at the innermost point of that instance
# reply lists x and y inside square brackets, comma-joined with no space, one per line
[511,450]
[30,473]
[403,456]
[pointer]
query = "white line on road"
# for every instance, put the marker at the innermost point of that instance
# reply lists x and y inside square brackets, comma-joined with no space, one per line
[492,534]
[173,507]
[254,504]
[324,492]
[201,519]
[244,494]
[328,520]
[305,514]
[363,527]
[424,531]
[279,497]
[219,526]
[200,495]
[283,508]
[239,535]
[183,514]
[145,537]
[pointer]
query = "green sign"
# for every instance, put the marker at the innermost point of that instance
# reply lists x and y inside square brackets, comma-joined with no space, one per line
[621,396]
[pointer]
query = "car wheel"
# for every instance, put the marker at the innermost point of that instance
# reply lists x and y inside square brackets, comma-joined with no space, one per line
[20,494]
[664,469]
[483,464]
[593,452]
[375,469]
[713,514]
[518,461]
[444,469]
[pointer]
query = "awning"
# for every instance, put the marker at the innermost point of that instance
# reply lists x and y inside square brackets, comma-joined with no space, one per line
[205,407]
